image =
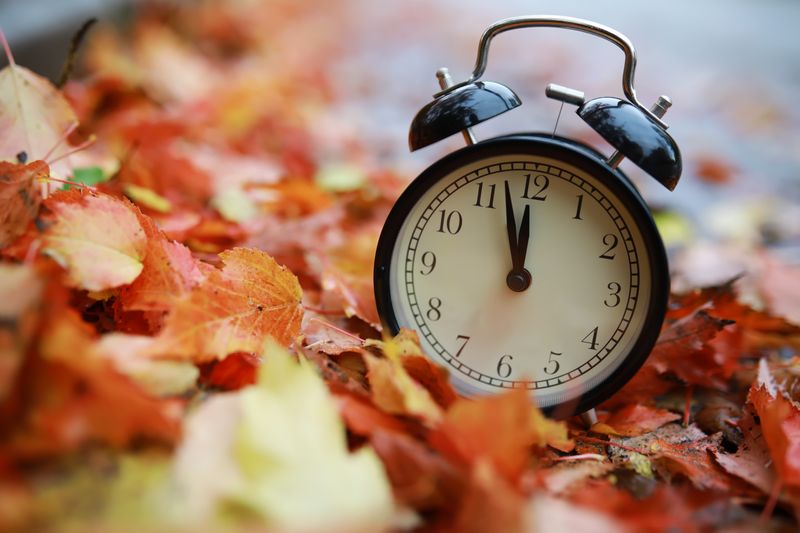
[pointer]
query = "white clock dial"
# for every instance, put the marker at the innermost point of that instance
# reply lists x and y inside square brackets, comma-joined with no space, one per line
[590,278]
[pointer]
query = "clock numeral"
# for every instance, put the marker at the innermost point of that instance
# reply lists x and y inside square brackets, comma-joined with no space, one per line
[591,339]
[578,209]
[541,181]
[615,289]
[504,366]
[450,222]
[434,311]
[552,364]
[461,348]
[610,240]
[428,260]
[479,200]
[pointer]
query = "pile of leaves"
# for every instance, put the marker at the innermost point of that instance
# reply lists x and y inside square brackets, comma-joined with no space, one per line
[188,335]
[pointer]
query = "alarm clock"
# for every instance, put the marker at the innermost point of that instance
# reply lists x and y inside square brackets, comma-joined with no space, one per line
[530,260]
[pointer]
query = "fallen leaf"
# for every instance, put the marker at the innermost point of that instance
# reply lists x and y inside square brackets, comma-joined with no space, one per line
[19,197]
[499,429]
[168,273]
[34,117]
[751,462]
[295,472]
[234,310]
[780,425]
[96,237]
[347,277]
[635,419]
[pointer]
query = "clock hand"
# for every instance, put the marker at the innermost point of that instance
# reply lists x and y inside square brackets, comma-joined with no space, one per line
[511,229]
[524,236]
[518,279]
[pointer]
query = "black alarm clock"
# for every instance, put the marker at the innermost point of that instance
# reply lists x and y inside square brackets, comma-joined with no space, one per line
[530,260]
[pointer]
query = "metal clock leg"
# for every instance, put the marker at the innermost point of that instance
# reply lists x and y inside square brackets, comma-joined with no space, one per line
[589,418]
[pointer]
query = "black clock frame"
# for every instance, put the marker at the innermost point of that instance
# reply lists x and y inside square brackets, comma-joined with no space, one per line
[584,158]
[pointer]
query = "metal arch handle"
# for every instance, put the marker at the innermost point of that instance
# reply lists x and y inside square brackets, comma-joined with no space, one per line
[569,23]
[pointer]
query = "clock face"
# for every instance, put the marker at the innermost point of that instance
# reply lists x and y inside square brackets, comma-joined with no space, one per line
[590,288]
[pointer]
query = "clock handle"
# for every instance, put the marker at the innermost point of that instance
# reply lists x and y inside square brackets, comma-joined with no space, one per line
[569,23]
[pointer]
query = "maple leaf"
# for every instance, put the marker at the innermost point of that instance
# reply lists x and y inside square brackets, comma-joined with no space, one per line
[96,237]
[19,197]
[780,425]
[500,429]
[234,309]
[34,115]
[168,272]
[751,461]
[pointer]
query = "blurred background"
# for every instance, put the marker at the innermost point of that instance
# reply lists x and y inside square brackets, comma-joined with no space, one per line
[731,67]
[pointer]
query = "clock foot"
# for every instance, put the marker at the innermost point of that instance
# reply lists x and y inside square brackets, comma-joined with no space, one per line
[589,418]
[518,281]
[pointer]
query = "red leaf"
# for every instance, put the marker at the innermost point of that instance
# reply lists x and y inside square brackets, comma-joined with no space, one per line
[780,424]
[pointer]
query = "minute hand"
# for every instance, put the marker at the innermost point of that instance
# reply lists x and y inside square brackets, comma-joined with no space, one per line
[511,230]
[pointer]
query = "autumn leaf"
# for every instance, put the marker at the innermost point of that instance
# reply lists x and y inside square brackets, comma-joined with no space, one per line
[635,419]
[20,297]
[96,237]
[780,425]
[78,397]
[347,277]
[500,429]
[34,116]
[168,272]
[19,197]
[257,456]
[234,310]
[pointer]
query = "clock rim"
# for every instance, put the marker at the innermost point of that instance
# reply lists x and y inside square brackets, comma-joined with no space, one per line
[593,163]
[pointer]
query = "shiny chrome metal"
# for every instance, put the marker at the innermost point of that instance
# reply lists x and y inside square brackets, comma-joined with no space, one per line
[659,109]
[445,82]
[564,94]
[570,23]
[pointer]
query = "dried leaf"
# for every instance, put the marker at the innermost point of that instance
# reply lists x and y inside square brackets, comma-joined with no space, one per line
[499,429]
[635,419]
[34,116]
[96,237]
[19,197]
[234,310]
[780,425]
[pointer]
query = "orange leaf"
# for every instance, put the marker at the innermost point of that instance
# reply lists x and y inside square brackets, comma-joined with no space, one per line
[347,277]
[780,424]
[500,429]
[234,309]
[73,396]
[169,271]
[19,197]
[96,237]
[635,419]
